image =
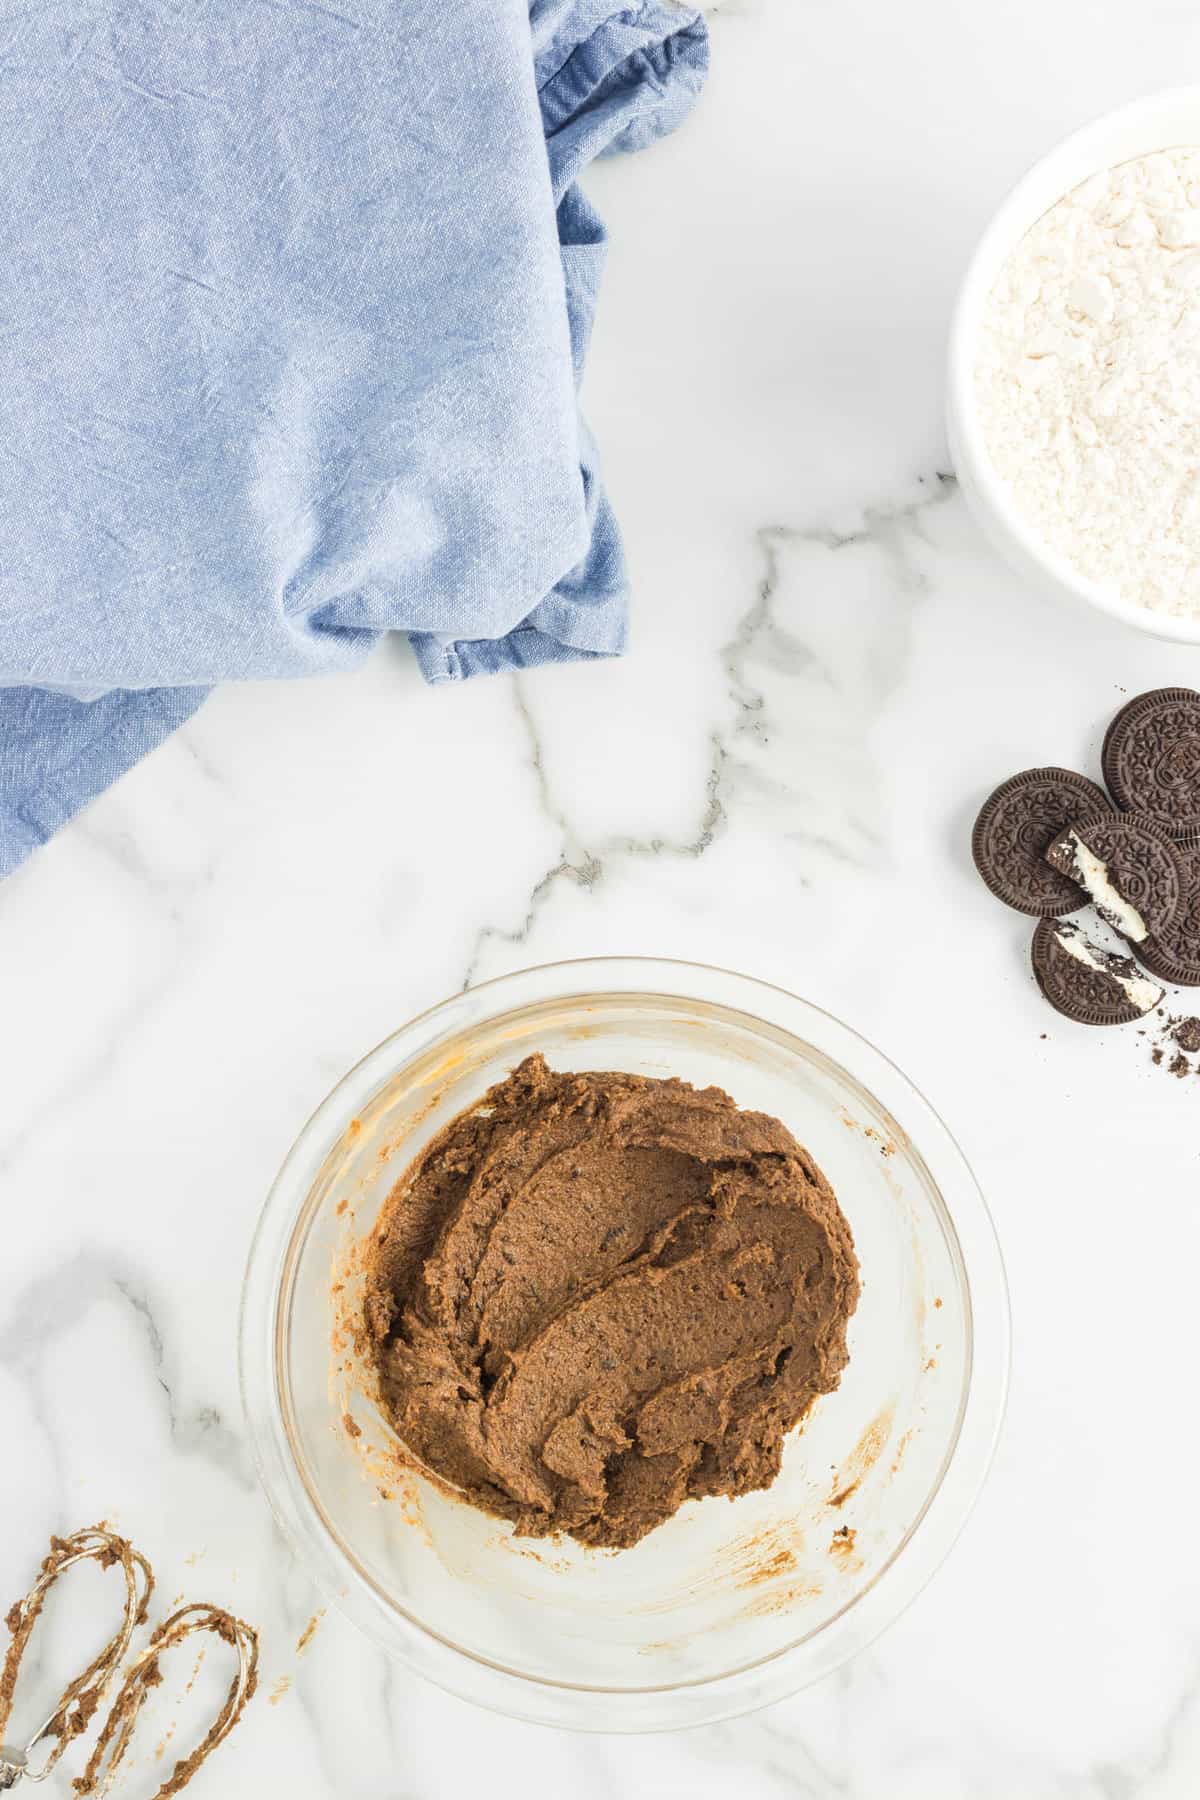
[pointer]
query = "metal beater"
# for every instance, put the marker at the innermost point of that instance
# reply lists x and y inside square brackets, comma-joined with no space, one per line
[80,1701]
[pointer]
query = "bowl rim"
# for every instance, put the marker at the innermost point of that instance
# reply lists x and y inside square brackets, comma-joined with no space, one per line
[694,1702]
[1085,151]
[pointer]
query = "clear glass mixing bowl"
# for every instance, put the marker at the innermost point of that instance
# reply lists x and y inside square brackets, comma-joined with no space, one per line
[731,1604]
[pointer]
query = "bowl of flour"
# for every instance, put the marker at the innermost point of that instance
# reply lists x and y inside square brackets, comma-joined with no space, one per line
[1074,380]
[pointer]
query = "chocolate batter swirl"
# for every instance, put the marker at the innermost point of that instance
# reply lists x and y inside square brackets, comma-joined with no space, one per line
[596,1296]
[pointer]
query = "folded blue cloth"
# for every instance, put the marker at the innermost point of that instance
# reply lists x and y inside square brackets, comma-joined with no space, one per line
[294,299]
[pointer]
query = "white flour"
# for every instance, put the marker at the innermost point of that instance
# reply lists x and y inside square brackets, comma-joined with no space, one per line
[1088,378]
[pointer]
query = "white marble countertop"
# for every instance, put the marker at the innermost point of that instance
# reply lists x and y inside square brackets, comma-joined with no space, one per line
[829,671]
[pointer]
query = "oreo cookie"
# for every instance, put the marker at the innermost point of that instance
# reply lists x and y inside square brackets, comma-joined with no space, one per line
[1174,954]
[1151,757]
[1128,867]
[1016,826]
[1086,983]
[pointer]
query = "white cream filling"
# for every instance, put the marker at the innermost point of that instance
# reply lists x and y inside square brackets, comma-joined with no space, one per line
[1094,875]
[1139,990]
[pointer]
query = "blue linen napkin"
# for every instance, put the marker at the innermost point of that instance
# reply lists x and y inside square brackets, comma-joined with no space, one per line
[294,299]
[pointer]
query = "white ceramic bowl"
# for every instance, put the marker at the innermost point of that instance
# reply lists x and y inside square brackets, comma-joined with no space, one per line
[1157,122]
[728,1605]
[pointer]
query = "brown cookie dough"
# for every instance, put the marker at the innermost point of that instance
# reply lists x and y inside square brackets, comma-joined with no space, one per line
[596,1296]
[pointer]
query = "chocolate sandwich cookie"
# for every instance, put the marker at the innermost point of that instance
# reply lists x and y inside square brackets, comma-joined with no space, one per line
[1174,953]
[1086,983]
[1128,867]
[1151,757]
[1016,826]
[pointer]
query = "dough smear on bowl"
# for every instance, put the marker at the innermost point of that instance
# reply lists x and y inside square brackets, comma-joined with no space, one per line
[595,1296]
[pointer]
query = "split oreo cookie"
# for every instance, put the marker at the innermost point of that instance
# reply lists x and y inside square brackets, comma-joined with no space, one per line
[1151,757]
[1086,983]
[1128,867]
[1016,826]
[1174,953]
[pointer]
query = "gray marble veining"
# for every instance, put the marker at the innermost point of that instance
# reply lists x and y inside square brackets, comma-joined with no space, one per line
[829,670]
